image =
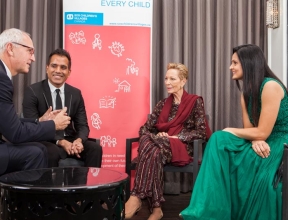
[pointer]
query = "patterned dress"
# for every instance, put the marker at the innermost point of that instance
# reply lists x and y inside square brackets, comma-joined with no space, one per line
[234,183]
[154,151]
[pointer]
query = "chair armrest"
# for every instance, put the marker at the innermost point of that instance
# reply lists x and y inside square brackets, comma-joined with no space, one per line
[95,140]
[128,166]
[198,145]
[129,142]
[198,150]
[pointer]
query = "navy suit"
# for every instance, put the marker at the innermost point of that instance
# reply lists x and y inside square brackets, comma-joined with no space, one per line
[37,99]
[17,154]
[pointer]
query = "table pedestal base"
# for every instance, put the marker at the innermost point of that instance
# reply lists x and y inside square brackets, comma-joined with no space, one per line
[104,204]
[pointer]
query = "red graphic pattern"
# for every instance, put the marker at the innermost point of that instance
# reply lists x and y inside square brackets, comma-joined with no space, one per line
[99,73]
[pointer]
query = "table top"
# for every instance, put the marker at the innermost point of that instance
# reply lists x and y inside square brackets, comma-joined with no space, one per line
[63,179]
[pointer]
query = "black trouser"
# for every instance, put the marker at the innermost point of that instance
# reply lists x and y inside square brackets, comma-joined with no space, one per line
[26,156]
[91,155]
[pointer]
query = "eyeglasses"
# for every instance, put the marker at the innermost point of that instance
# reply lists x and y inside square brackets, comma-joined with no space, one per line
[31,50]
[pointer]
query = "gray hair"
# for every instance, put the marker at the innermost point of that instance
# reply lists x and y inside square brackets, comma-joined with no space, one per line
[10,35]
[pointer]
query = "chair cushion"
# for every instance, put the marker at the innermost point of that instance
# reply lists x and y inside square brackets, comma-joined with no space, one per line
[168,167]
[70,162]
[135,160]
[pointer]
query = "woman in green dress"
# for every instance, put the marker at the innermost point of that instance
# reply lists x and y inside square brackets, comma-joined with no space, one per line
[237,177]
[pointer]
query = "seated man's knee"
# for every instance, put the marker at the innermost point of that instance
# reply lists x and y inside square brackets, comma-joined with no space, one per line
[36,156]
[36,148]
[95,147]
[99,149]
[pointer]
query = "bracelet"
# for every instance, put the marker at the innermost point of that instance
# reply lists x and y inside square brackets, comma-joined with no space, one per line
[57,142]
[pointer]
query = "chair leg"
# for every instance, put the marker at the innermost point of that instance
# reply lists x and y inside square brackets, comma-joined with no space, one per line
[197,156]
[128,188]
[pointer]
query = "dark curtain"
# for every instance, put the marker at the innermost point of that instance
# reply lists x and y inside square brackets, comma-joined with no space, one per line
[43,21]
[197,33]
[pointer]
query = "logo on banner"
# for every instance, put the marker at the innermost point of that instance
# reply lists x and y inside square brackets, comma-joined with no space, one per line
[85,18]
[96,121]
[124,85]
[97,42]
[69,16]
[116,49]
[111,142]
[77,37]
[107,103]
[116,80]
[132,69]
[94,171]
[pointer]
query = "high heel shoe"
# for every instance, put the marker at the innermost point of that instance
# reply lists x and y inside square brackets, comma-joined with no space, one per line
[130,214]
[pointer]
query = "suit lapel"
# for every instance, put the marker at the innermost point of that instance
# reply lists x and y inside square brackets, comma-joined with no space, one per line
[2,68]
[47,94]
[9,81]
[68,99]
[48,97]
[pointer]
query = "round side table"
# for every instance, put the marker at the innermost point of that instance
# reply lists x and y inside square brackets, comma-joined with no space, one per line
[63,193]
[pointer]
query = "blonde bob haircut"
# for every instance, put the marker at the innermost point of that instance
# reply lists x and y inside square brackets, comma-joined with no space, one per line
[183,71]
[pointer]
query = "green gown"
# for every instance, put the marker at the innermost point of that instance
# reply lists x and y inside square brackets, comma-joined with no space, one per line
[234,183]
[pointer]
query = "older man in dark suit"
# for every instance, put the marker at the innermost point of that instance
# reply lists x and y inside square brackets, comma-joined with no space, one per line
[20,153]
[55,92]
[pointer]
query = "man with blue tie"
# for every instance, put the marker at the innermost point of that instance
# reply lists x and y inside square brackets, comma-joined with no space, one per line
[21,152]
[54,91]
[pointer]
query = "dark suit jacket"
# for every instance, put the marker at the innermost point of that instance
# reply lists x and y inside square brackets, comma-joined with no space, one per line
[14,129]
[37,99]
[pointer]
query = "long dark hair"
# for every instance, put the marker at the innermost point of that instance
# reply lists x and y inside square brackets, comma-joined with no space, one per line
[255,69]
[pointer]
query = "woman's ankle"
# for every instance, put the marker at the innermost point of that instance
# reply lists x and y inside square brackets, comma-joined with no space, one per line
[157,211]
[156,214]
[134,199]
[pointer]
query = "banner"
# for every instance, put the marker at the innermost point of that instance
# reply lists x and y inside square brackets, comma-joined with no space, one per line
[110,45]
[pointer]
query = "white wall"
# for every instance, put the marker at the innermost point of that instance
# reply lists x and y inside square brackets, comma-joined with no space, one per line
[277,45]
